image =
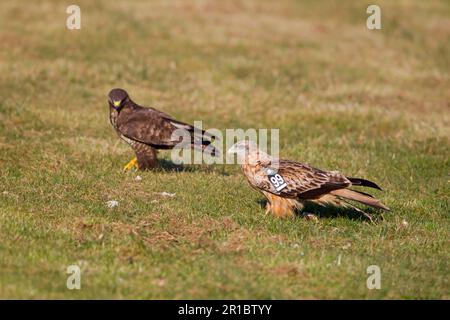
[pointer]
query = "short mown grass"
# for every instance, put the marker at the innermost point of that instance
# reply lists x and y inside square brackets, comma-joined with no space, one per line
[373,104]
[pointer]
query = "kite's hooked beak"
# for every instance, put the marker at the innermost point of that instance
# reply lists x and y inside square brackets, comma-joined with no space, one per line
[239,148]
[116,104]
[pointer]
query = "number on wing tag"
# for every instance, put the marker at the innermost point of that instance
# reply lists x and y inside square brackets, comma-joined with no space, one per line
[277,182]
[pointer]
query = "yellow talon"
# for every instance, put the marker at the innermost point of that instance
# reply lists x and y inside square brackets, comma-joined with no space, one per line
[131,164]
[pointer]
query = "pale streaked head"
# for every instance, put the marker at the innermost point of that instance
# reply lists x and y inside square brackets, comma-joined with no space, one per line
[247,152]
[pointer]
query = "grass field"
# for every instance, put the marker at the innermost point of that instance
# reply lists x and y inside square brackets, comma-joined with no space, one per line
[374,104]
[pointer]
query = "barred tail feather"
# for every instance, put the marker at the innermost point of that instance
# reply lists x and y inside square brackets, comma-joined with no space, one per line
[206,148]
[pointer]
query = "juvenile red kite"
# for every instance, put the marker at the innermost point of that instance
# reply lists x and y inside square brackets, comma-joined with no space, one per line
[287,185]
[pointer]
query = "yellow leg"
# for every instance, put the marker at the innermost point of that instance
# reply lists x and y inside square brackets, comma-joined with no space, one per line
[130,165]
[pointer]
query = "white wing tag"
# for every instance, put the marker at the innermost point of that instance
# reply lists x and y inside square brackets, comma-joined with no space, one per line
[277,181]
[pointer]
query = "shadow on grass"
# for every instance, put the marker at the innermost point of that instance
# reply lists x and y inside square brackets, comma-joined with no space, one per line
[330,212]
[167,165]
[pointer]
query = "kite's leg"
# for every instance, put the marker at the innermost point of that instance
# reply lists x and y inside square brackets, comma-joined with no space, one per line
[130,165]
[282,208]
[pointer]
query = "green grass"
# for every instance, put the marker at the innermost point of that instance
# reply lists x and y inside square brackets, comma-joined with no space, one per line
[373,104]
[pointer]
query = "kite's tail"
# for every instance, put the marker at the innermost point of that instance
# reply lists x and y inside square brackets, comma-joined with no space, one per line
[361,197]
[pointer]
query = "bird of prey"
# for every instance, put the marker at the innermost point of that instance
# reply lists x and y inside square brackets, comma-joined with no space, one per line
[147,129]
[287,184]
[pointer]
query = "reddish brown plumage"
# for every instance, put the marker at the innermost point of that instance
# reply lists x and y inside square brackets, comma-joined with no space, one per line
[357,196]
[287,185]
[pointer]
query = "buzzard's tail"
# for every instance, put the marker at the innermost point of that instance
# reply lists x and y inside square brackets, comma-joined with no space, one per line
[193,130]
[206,147]
[201,141]
[360,197]
[363,183]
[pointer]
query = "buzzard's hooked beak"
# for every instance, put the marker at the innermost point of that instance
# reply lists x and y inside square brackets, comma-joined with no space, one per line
[116,103]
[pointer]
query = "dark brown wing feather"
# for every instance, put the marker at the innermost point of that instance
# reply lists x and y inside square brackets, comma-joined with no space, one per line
[152,127]
[302,181]
[146,126]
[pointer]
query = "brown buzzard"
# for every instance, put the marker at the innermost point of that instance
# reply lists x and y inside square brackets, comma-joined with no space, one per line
[287,185]
[147,130]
